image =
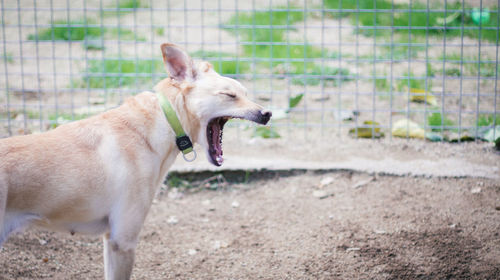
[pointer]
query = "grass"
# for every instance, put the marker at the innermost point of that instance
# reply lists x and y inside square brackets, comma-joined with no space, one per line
[62,118]
[160,31]
[418,19]
[130,4]
[483,69]
[487,67]
[436,120]
[410,82]
[224,63]
[80,30]
[402,49]
[8,57]
[382,85]
[430,71]
[488,120]
[268,41]
[330,76]
[453,72]
[265,19]
[269,34]
[124,34]
[266,132]
[174,181]
[114,73]
[126,5]
[68,31]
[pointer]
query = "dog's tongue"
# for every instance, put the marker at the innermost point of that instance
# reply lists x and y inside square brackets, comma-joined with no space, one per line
[216,141]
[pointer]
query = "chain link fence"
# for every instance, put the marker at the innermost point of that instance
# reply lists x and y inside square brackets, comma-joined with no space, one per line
[343,68]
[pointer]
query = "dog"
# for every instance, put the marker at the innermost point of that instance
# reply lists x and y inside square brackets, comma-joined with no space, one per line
[100,175]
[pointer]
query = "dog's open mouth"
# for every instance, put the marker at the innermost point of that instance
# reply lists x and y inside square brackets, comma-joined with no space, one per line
[214,137]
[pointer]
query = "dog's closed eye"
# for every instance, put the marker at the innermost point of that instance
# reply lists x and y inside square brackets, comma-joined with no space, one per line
[230,94]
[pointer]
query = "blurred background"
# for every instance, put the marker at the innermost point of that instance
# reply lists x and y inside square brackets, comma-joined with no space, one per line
[343,68]
[357,176]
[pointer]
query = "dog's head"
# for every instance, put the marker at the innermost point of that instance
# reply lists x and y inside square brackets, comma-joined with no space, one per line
[210,99]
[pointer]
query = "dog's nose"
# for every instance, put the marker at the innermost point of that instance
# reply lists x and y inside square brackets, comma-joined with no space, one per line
[265,115]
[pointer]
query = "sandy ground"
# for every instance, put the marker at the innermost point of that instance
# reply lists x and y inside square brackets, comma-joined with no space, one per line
[284,222]
[285,226]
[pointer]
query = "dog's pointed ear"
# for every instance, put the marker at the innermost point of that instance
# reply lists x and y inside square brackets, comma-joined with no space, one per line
[179,64]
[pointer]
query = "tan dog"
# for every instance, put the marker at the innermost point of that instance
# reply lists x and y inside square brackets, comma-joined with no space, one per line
[99,175]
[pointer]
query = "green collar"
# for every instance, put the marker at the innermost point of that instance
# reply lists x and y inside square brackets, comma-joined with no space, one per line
[181,139]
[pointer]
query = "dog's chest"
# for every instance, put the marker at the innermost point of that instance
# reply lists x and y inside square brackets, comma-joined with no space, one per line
[98,226]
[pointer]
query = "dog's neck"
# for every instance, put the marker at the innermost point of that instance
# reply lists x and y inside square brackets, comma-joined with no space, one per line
[176,93]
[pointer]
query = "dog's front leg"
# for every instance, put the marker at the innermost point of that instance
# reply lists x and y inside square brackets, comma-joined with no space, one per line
[118,260]
[121,241]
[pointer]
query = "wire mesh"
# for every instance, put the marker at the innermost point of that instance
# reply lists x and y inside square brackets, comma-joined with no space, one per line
[364,68]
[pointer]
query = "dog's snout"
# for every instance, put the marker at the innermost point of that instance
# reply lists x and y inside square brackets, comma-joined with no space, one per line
[265,116]
[266,113]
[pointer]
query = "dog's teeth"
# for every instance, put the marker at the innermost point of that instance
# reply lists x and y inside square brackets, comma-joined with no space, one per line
[219,159]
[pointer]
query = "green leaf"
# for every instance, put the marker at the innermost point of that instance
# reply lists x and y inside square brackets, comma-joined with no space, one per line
[369,129]
[266,132]
[294,100]
[434,137]
[407,128]
[420,96]
[448,20]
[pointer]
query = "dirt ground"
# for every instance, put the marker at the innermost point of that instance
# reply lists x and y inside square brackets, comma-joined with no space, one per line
[287,225]
[435,216]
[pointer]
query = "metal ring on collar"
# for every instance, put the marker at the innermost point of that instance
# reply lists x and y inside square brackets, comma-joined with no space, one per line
[188,159]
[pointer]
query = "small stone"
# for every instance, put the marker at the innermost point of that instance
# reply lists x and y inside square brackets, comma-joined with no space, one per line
[172,220]
[353,249]
[192,252]
[475,190]
[175,194]
[45,260]
[19,118]
[319,193]
[453,226]
[97,100]
[42,242]
[345,115]
[206,202]
[321,98]
[263,97]
[325,181]
[219,244]
[235,204]
[363,183]
[380,232]
[497,208]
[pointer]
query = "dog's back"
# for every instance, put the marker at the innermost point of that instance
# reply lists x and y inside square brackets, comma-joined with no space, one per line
[70,168]
[49,167]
